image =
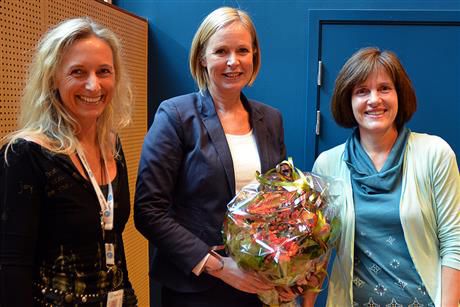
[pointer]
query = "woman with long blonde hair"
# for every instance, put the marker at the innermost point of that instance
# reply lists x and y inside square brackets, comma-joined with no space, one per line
[65,197]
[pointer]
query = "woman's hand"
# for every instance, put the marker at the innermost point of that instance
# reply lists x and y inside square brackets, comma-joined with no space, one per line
[232,275]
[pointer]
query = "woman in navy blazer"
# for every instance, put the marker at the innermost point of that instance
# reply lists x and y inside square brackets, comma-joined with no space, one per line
[201,148]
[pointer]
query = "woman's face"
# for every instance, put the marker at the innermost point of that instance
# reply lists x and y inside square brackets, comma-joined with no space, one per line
[228,58]
[85,78]
[375,104]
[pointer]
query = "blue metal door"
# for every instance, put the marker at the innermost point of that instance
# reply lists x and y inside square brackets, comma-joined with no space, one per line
[428,44]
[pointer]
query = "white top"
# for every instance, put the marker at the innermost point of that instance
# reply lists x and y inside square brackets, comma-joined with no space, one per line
[245,158]
[246,162]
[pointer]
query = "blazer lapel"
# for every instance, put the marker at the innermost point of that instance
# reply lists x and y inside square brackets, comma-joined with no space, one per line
[260,132]
[217,135]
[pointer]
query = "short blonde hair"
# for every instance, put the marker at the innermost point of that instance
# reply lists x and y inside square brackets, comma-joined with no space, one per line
[43,115]
[215,21]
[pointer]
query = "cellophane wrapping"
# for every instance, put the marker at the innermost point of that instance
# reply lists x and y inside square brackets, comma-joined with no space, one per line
[283,228]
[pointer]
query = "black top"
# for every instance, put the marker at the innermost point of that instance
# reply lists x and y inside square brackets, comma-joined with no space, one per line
[51,244]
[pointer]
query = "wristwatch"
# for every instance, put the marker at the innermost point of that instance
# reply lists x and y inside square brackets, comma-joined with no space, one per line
[208,268]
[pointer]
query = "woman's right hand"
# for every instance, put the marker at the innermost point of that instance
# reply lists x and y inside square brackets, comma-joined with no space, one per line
[232,275]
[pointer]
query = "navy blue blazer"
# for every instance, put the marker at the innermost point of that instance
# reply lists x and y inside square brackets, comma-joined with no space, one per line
[186,180]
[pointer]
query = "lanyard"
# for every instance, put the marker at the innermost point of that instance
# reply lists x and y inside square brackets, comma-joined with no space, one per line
[106,204]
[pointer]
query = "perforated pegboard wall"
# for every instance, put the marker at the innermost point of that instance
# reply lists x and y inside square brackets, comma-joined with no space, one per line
[20,28]
[21,25]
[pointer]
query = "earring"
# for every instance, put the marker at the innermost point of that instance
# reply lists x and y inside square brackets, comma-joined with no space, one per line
[203,62]
[56,94]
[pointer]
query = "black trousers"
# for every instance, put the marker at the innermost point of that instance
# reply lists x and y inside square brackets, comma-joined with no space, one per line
[222,295]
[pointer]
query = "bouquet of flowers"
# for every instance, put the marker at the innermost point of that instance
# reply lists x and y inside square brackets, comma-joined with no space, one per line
[282,227]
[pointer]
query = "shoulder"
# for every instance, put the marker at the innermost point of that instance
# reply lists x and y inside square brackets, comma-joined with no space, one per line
[333,153]
[429,156]
[22,146]
[180,103]
[329,161]
[429,146]
[424,140]
[181,99]
[20,151]
[180,107]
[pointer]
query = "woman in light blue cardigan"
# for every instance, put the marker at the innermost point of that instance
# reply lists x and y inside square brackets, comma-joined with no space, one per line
[400,240]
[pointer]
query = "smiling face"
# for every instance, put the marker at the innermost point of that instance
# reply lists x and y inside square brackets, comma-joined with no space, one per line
[85,79]
[375,104]
[228,59]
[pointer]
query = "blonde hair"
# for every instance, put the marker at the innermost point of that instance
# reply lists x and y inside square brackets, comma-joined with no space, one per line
[43,117]
[215,21]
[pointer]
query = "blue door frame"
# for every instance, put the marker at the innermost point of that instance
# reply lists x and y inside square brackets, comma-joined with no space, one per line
[319,20]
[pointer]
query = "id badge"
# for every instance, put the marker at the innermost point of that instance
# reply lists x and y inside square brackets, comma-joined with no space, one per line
[109,254]
[107,217]
[115,298]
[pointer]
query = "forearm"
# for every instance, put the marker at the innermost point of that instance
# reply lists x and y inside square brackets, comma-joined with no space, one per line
[450,290]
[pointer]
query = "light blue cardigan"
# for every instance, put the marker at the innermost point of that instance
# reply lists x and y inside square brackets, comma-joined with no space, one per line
[429,210]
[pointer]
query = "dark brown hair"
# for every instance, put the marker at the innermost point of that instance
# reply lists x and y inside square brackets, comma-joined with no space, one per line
[356,70]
